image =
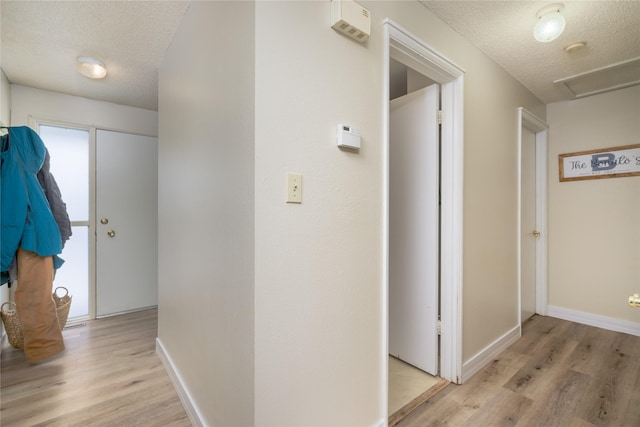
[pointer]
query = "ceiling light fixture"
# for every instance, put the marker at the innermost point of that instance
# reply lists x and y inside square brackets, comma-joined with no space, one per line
[91,67]
[550,23]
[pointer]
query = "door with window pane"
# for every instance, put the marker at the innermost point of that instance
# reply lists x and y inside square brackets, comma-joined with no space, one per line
[69,164]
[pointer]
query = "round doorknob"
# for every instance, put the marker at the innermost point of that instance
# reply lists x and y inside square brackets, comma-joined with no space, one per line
[535,233]
[104,221]
[111,233]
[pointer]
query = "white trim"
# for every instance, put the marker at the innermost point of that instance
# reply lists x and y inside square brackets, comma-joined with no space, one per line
[384,327]
[534,124]
[195,416]
[404,46]
[604,322]
[490,352]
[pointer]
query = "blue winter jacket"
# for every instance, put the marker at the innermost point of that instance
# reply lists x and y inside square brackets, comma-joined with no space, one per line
[26,219]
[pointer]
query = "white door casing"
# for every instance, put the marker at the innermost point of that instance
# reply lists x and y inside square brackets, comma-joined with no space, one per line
[409,50]
[413,228]
[126,222]
[530,122]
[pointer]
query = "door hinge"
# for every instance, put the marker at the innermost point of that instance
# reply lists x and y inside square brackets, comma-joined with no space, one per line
[439,117]
[439,327]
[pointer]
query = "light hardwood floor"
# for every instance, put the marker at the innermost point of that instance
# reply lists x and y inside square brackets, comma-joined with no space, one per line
[559,373]
[109,375]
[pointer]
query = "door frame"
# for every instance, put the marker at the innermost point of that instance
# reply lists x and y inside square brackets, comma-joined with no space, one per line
[540,128]
[411,51]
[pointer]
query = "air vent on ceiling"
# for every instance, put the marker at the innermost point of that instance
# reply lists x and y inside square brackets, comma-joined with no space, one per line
[616,76]
[350,18]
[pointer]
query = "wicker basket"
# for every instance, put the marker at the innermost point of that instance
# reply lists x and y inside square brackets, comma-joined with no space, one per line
[63,304]
[13,325]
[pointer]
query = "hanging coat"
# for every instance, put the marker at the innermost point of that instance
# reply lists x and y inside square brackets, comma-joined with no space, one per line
[25,216]
[54,197]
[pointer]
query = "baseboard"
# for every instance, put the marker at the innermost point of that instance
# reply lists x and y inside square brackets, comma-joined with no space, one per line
[604,322]
[183,393]
[489,353]
[380,423]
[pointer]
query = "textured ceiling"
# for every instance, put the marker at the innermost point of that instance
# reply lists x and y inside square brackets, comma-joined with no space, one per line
[504,31]
[41,39]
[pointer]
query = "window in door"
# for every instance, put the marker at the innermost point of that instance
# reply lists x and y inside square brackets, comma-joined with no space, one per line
[69,151]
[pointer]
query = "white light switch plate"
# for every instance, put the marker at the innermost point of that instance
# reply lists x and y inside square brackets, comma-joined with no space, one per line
[294,188]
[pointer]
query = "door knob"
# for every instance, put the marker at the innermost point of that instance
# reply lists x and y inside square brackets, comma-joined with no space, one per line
[104,221]
[111,233]
[535,233]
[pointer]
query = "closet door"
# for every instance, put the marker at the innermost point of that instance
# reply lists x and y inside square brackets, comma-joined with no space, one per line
[126,222]
[414,228]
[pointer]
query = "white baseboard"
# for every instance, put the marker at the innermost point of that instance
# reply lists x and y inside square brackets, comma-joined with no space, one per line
[604,322]
[490,352]
[183,393]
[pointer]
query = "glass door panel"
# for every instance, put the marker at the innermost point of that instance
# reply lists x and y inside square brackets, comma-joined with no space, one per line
[69,164]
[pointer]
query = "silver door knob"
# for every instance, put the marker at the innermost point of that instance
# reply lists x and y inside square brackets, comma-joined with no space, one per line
[111,233]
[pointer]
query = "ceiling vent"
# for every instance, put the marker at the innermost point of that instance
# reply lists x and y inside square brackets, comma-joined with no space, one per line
[613,77]
[350,18]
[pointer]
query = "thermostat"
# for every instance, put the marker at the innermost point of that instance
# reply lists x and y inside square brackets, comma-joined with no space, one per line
[348,136]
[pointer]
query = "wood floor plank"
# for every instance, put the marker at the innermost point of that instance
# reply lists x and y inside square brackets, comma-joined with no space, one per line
[109,375]
[534,377]
[558,406]
[607,401]
[504,409]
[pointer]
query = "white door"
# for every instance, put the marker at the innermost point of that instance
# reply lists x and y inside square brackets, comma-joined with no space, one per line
[413,228]
[528,232]
[126,222]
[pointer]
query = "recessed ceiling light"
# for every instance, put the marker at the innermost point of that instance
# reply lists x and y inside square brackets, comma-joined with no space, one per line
[550,23]
[574,46]
[91,67]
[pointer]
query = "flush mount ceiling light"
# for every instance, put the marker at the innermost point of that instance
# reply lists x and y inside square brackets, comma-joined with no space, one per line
[91,67]
[550,23]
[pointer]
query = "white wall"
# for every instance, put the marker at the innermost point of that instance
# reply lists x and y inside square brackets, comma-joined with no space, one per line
[5,117]
[43,104]
[318,264]
[206,210]
[594,232]
[5,99]
[312,273]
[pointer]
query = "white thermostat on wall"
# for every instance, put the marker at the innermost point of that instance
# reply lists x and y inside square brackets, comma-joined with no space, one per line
[348,137]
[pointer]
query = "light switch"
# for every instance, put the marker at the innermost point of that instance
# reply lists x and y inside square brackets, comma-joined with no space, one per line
[294,188]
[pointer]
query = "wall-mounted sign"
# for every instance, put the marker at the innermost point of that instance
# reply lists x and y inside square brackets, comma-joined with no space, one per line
[605,163]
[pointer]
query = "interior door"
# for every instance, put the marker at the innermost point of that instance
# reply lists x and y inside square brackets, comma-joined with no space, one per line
[413,228]
[529,233]
[126,222]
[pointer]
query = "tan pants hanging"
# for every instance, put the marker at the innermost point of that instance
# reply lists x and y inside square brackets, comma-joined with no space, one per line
[36,308]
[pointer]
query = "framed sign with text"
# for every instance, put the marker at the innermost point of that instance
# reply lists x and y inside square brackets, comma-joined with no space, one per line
[605,163]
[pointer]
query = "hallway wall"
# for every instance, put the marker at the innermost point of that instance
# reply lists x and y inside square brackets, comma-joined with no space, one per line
[594,232]
[206,210]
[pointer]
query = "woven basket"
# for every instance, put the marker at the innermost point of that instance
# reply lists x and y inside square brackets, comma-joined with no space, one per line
[63,304]
[13,325]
